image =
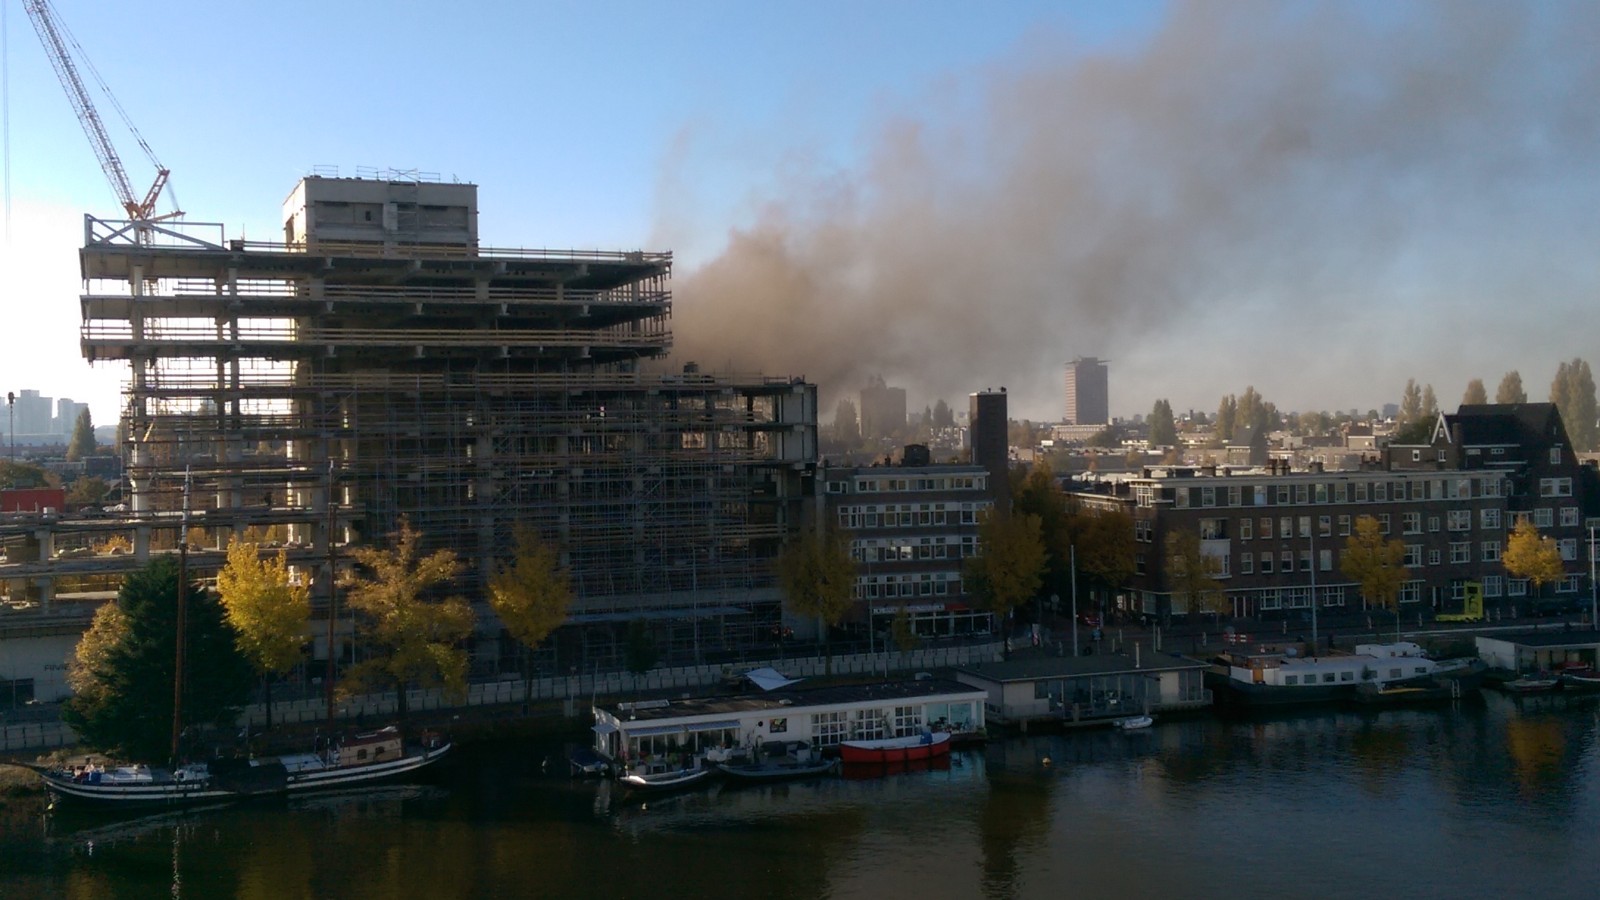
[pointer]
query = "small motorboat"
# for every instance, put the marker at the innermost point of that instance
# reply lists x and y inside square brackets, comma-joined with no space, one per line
[1579,677]
[897,749]
[662,782]
[1134,723]
[1532,683]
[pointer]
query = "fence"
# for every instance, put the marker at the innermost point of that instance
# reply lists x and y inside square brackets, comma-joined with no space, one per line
[573,690]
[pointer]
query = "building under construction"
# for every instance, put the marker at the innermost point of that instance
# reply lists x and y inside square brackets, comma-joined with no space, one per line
[380,358]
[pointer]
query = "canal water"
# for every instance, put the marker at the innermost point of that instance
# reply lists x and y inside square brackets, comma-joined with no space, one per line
[1499,798]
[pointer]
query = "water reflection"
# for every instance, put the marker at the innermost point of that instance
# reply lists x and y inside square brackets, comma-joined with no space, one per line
[1500,798]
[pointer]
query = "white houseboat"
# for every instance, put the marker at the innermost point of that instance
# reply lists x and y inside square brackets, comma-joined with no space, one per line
[1275,678]
[650,736]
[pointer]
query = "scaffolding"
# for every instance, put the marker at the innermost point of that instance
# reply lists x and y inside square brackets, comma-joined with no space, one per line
[401,373]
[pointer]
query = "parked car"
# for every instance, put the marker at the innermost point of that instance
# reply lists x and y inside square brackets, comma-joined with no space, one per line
[1090,620]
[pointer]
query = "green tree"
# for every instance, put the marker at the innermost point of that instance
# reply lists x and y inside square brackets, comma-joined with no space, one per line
[1510,389]
[1227,421]
[1009,567]
[817,577]
[1430,405]
[1192,574]
[417,637]
[905,638]
[1107,438]
[1376,564]
[639,649]
[1410,403]
[82,442]
[1105,548]
[1476,394]
[1572,392]
[270,614]
[531,595]
[1533,556]
[22,475]
[1163,431]
[88,490]
[126,667]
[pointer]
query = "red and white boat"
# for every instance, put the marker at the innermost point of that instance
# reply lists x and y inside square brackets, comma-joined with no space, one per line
[926,745]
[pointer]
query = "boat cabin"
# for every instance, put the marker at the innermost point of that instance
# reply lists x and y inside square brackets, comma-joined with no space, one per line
[1377,663]
[1533,651]
[656,735]
[370,747]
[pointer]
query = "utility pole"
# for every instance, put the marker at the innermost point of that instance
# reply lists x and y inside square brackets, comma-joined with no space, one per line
[183,630]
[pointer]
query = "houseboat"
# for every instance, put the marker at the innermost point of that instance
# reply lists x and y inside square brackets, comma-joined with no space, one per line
[647,737]
[1279,677]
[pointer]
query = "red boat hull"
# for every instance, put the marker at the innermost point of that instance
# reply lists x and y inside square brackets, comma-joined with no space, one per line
[894,751]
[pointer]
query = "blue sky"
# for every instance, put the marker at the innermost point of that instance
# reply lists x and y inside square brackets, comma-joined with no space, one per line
[976,192]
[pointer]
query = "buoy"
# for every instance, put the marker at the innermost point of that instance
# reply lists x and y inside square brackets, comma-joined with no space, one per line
[1047,760]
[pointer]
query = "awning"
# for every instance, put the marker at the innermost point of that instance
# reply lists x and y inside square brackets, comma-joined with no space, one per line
[714,726]
[603,728]
[648,730]
[768,679]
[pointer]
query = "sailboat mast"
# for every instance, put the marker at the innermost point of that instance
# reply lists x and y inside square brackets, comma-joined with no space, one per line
[183,630]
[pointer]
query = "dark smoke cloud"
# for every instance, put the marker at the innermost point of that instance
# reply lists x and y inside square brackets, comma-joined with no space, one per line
[1320,200]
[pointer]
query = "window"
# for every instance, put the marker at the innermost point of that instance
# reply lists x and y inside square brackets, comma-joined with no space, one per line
[1266,563]
[1298,598]
[1288,680]
[1347,676]
[1383,523]
[1555,487]
[1208,496]
[1213,529]
[1569,516]
[1380,492]
[1361,492]
[1433,556]
[1305,560]
[1233,495]
[1270,599]
[1301,496]
[1543,517]
[1413,557]
[1568,584]
[776,726]
[1266,529]
[1568,548]
[1411,592]
[1459,519]
[1305,526]
[1517,587]
[1494,585]
[1245,528]
[1411,523]
[1328,676]
[1460,552]
[1319,492]
[1325,526]
[1286,561]
[1489,551]
[1555,456]
[1283,495]
[1416,490]
[1344,526]
[1489,518]
[1463,488]
[829,728]
[1325,562]
[1285,527]
[1340,492]
[1247,564]
[1260,495]
[1433,524]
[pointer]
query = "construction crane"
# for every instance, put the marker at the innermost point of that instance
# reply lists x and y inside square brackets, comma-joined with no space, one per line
[51,31]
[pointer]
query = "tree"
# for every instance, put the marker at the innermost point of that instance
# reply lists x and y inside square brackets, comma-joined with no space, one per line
[1476,394]
[1107,438]
[846,425]
[1227,416]
[1532,556]
[531,595]
[269,613]
[1376,564]
[1430,405]
[88,491]
[1510,389]
[418,638]
[1192,574]
[126,667]
[1010,563]
[905,637]
[943,417]
[1411,403]
[1163,432]
[1105,547]
[82,442]
[1572,392]
[22,475]
[639,649]
[817,576]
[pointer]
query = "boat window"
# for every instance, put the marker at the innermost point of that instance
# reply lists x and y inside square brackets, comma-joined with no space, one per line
[1347,676]
[1291,679]
[1327,677]
[1394,673]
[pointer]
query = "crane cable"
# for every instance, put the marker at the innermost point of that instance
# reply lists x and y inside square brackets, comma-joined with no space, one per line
[127,121]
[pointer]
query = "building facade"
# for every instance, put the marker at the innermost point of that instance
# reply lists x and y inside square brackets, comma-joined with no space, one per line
[380,365]
[911,526]
[1088,392]
[1277,536]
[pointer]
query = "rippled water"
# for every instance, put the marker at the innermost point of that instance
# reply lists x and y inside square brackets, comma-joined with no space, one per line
[1499,798]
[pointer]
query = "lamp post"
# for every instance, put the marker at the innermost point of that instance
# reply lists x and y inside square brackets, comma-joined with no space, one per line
[11,417]
[1313,537]
[1594,601]
[1073,552]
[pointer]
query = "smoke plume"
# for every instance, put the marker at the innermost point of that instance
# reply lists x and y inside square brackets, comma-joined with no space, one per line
[1321,200]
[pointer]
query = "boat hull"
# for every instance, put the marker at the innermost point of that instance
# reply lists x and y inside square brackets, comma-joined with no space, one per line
[896,749]
[777,771]
[238,785]
[665,782]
